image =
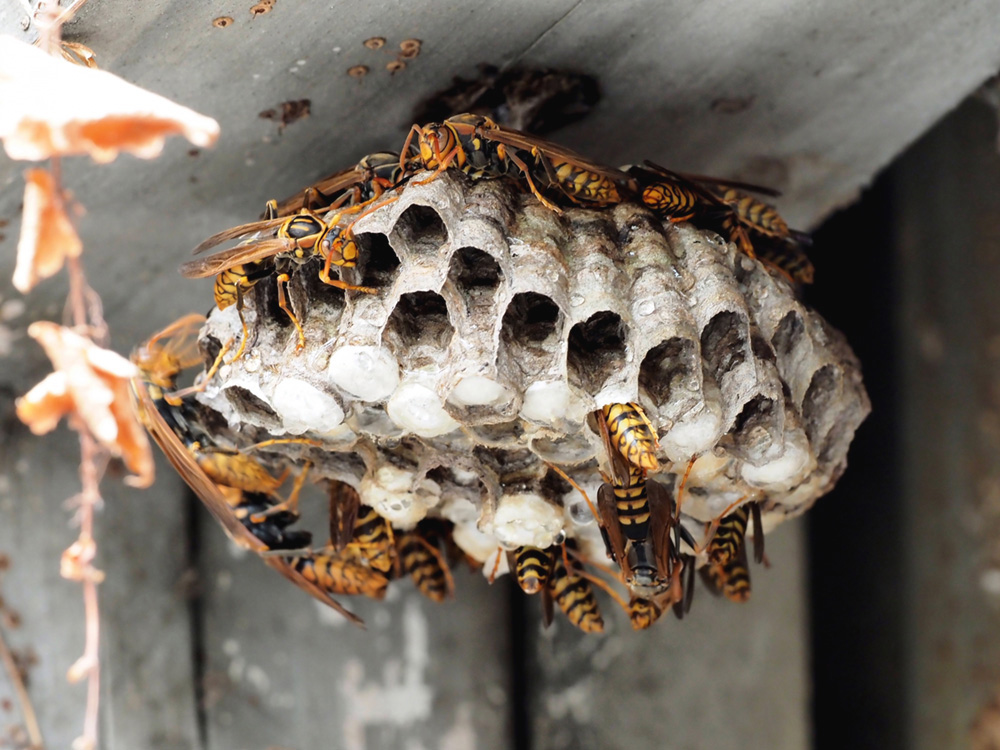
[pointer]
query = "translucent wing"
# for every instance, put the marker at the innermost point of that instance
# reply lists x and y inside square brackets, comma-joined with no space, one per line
[235,256]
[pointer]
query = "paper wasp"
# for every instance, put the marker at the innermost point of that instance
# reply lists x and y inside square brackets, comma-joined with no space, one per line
[675,197]
[373,175]
[727,570]
[730,536]
[573,593]
[480,147]
[341,574]
[358,531]
[731,579]
[531,566]
[420,557]
[164,419]
[281,241]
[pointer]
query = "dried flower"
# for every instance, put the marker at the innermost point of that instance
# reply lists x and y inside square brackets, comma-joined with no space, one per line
[52,107]
[47,235]
[93,384]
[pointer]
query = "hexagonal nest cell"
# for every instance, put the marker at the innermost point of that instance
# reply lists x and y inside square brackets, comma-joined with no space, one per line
[498,326]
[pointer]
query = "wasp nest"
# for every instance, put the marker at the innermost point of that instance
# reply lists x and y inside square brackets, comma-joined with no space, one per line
[499,326]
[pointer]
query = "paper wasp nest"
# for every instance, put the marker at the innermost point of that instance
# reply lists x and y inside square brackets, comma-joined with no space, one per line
[497,328]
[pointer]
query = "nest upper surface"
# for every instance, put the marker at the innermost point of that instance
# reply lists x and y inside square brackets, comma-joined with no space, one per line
[499,326]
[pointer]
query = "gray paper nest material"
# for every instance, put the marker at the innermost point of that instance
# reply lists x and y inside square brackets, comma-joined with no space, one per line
[497,328]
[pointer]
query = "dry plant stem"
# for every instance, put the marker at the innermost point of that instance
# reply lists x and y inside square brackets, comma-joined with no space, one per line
[27,709]
[90,496]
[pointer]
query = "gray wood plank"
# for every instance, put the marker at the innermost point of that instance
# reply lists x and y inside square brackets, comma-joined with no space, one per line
[949,325]
[283,670]
[726,676]
[147,687]
[812,98]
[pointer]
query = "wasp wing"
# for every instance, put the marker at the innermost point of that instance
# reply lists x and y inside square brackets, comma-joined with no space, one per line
[517,139]
[210,494]
[705,179]
[223,261]
[608,511]
[242,231]
[758,534]
[661,511]
[333,183]
[344,504]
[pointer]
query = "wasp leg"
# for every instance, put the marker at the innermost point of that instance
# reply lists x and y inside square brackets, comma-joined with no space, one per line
[443,163]
[449,581]
[284,441]
[519,163]
[496,566]
[680,487]
[652,430]
[738,234]
[713,527]
[174,398]
[243,322]
[283,280]
[290,505]
[271,210]
[414,130]
[578,488]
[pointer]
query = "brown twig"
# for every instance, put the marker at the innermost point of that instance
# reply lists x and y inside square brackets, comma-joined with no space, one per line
[89,497]
[27,709]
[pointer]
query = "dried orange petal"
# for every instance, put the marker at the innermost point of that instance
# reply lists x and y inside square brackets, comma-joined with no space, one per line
[52,107]
[47,235]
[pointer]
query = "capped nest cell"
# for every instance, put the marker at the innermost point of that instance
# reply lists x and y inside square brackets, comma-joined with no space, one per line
[498,327]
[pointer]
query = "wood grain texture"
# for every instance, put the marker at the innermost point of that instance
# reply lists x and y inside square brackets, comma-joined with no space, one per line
[948,191]
[282,670]
[726,676]
[147,669]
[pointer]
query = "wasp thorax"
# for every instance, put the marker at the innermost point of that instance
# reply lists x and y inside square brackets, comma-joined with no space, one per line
[497,328]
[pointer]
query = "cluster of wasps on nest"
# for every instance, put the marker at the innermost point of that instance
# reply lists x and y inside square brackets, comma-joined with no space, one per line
[638,517]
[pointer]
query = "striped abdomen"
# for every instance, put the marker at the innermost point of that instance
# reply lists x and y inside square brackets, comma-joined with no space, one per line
[642,613]
[338,575]
[575,598]
[371,540]
[238,279]
[632,505]
[735,579]
[531,568]
[424,566]
[671,200]
[790,259]
[729,537]
[631,434]
[755,214]
[585,185]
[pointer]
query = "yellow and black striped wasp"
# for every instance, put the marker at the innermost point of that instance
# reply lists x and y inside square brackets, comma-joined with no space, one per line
[219,478]
[279,242]
[531,567]
[727,570]
[478,146]
[571,591]
[731,579]
[756,227]
[420,556]
[357,530]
